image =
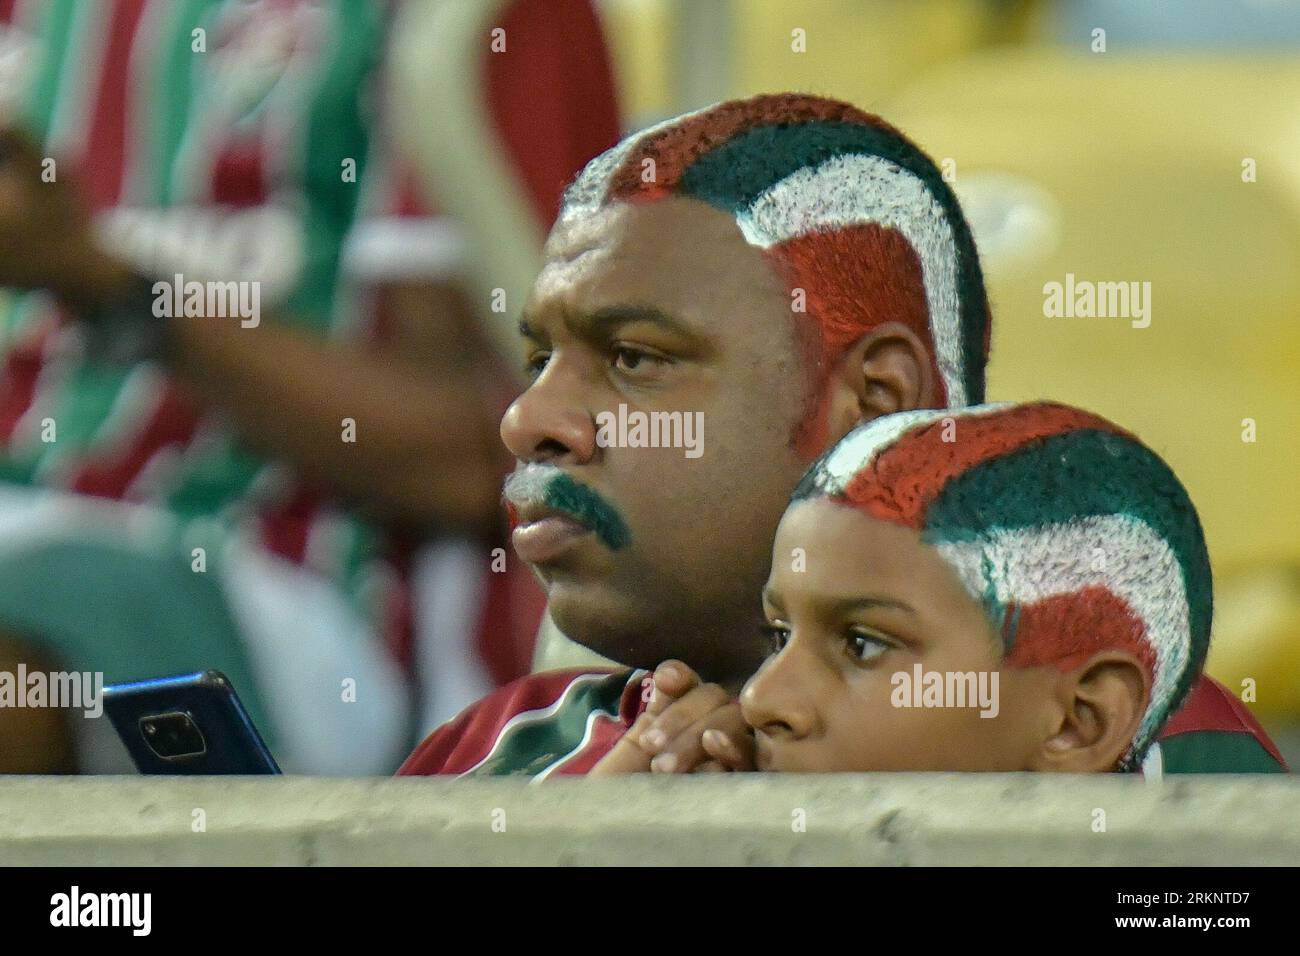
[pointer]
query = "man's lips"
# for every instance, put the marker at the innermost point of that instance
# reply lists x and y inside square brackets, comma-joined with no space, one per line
[535,492]
[544,536]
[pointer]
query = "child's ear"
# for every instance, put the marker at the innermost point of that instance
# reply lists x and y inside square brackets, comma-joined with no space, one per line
[1101,705]
[888,370]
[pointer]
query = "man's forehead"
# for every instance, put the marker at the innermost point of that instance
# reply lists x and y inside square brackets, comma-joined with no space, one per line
[670,252]
[678,217]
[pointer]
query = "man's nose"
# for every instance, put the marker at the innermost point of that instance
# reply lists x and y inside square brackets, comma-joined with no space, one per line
[550,422]
[779,700]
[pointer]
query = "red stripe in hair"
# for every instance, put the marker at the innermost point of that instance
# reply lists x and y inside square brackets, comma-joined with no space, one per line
[677,148]
[906,477]
[854,279]
[1065,630]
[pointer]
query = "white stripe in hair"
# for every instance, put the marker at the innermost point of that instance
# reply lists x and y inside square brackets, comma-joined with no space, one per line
[856,189]
[1026,565]
[585,195]
[860,447]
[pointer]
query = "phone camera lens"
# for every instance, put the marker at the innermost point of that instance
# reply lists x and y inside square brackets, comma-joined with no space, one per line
[173,736]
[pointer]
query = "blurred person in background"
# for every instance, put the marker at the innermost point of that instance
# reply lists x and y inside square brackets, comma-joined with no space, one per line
[188,492]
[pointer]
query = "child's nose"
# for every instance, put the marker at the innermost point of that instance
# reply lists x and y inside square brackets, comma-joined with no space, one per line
[777,700]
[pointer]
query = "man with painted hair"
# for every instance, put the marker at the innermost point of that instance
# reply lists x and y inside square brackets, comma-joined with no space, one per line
[789,267]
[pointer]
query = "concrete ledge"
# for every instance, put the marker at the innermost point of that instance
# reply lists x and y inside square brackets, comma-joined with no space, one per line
[866,819]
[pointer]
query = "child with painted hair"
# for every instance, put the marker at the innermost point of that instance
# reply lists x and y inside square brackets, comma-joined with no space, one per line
[1004,587]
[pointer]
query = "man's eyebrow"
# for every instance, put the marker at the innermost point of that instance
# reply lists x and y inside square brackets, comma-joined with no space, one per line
[601,324]
[602,321]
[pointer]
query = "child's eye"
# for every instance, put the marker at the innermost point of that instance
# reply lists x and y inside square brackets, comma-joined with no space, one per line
[778,636]
[866,645]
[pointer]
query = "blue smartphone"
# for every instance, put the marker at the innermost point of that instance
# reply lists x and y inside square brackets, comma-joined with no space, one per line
[191,724]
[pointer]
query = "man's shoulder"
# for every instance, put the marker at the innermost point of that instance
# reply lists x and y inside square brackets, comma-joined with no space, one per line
[554,721]
[1214,732]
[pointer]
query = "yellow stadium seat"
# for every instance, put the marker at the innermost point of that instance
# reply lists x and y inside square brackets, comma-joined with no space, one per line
[1256,646]
[640,35]
[1173,170]
[858,50]
[668,57]
[1107,169]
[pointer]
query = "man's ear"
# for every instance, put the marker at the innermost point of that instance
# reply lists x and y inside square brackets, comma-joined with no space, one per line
[1101,704]
[887,370]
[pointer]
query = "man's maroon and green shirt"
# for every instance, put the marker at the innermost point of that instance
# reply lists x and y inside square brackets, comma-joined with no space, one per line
[563,722]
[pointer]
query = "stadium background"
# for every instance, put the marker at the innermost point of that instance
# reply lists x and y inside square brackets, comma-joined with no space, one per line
[1128,162]
[1152,142]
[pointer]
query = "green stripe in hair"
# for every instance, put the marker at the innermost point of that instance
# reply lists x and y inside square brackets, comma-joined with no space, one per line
[733,175]
[1076,475]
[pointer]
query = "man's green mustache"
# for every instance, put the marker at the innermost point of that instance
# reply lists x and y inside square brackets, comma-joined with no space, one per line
[589,508]
[562,493]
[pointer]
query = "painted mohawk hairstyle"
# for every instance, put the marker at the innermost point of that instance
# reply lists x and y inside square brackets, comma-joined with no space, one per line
[842,205]
[1073,535]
